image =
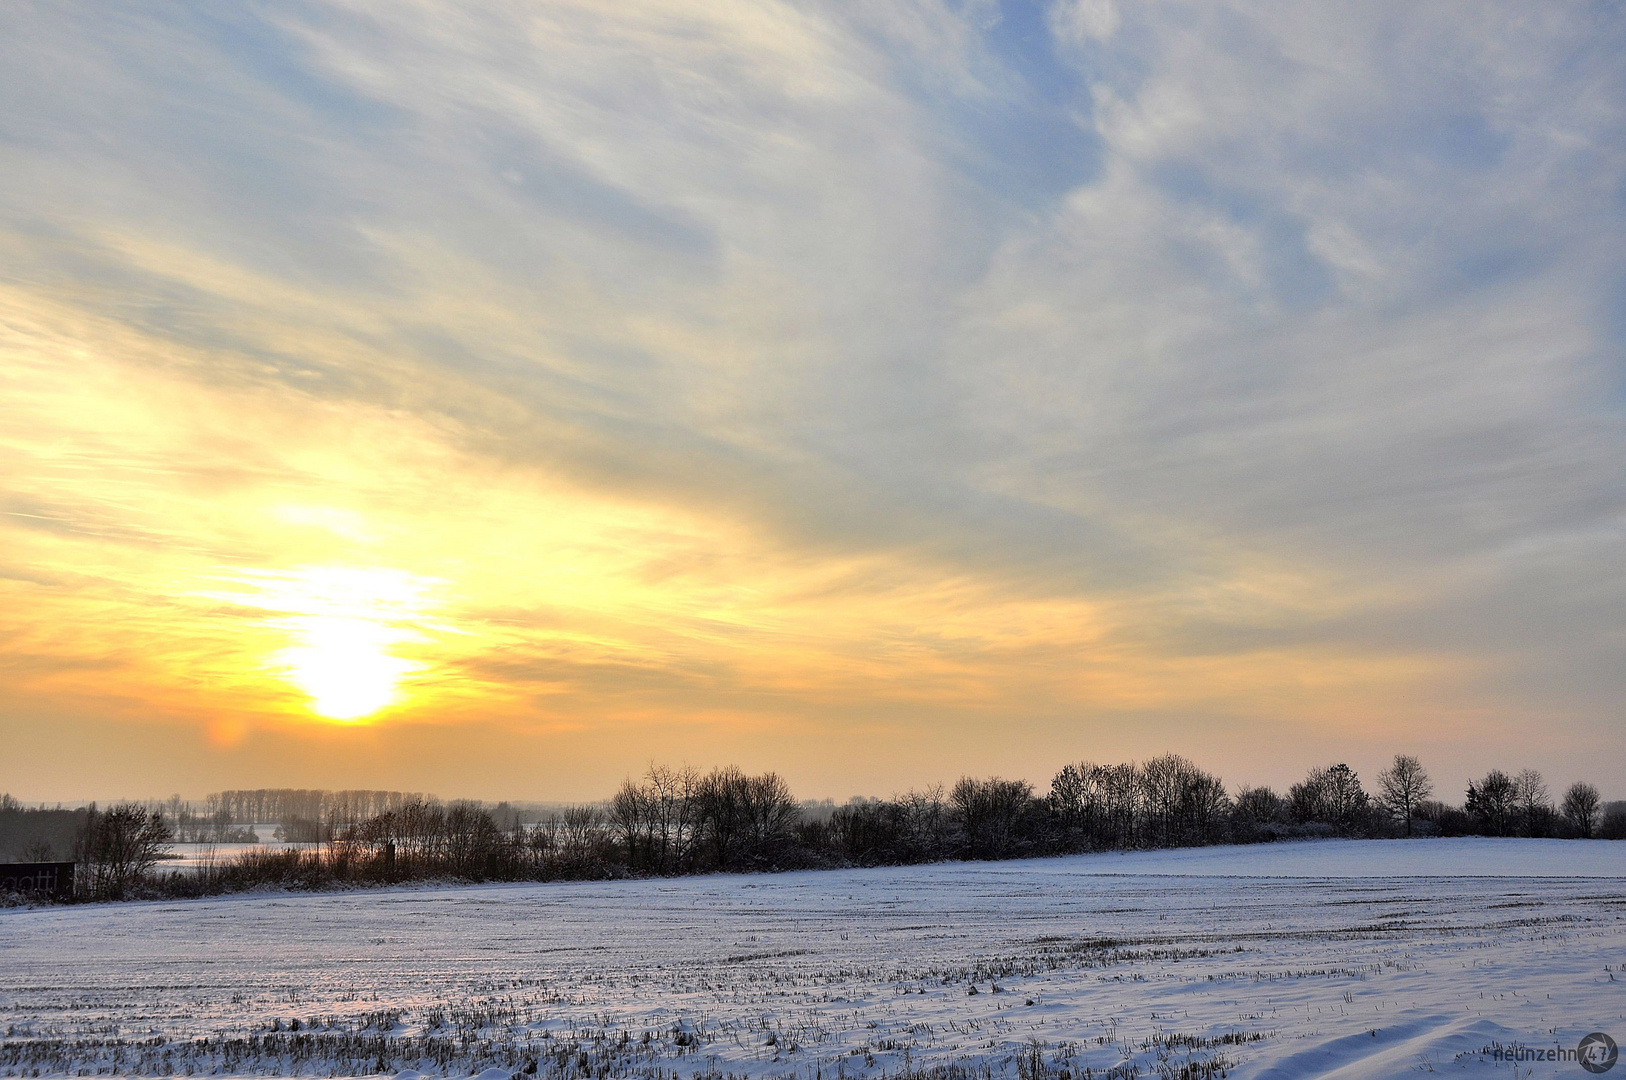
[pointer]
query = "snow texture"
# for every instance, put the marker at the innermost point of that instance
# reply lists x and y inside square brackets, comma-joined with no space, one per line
[1346,959]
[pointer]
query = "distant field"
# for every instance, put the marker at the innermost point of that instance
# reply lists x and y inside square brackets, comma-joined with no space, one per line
[1295,960]
[194,855]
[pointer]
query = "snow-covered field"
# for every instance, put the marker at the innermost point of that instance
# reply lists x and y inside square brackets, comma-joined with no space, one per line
[1350,958]
[195,855]
[183,856]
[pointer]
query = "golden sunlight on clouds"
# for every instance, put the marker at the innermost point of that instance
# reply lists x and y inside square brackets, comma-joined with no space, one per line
[236,548]
[236,554]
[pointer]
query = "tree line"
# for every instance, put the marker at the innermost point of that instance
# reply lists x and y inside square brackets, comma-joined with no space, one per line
[682,821]
[300,814]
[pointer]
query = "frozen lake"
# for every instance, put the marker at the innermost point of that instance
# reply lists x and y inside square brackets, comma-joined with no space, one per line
[1293,960]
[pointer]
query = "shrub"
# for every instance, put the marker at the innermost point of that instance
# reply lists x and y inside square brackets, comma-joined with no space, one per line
[1613,825]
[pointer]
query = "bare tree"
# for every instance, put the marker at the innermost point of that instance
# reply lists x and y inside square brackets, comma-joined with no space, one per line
[671,801]
[769,812]
[1118,820]
[1581,803]
[1534,805]
[657,819]
[1207,808]
[928,822]
[1332,796]
[1075,796]
[1305,799]
[722,794]
[120,845]
[1493,802]
[1163,782]
[630,816]
[1257,813]
[1259,805]
[989,811]
[1402,786]
[473,841]
[579,834]
[873,832]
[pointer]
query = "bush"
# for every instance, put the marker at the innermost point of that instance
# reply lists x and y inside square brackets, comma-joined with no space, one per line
[119,846]
[1258,815]
[1613,825]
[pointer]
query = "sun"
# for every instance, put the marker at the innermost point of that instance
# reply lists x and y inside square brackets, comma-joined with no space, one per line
[344,665]
[339,628]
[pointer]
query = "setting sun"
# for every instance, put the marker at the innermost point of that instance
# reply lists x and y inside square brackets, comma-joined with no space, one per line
[339,629]
[345,666]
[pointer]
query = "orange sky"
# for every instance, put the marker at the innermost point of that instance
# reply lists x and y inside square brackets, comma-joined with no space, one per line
[450,400]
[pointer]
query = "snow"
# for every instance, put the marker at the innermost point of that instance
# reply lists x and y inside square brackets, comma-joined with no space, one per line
[1465,857]
[195,855]
[1337,958]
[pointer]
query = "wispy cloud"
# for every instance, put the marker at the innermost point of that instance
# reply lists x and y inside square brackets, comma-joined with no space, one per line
[1027,380]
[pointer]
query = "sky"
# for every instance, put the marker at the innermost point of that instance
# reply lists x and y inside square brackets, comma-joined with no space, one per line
[493,398]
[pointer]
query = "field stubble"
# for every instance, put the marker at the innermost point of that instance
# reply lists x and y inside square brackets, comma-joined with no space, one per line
[1043,970]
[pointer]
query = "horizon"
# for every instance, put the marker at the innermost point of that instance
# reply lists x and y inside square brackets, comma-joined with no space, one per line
[461,398]
[1443,793]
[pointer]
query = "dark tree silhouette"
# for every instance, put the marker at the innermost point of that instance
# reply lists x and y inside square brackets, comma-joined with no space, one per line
[1332,796]
[119,846]
[1581,804]
[1535,809]
[1402,787]
[1493,803]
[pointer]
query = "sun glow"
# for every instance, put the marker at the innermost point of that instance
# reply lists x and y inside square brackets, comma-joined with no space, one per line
[343,627]
[345,666]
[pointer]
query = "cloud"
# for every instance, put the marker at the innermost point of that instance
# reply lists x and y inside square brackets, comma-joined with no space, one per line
[1021,361]
[1076,22]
